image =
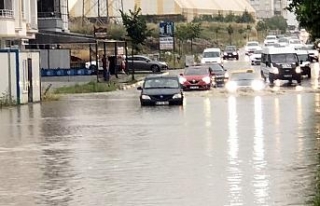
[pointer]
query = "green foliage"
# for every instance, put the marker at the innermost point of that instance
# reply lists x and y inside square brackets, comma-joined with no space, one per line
[277,22]
[136,27]
[246,17]
[6,101]
[308,15]
[87,88]
[116,32]
[230,29]
[261,26]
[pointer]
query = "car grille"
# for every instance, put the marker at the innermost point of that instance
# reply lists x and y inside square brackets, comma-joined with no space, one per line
[161,97]
[285,71]
[193,81]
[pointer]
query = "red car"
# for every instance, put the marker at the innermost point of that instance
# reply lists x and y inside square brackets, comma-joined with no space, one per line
[197,78]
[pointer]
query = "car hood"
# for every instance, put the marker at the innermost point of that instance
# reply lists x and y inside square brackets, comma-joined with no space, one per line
[218,72]
[213,59]
[164,91]
[255,56]
[251,48]
[195,77]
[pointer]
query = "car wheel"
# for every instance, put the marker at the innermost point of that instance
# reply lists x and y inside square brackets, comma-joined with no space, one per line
[143,104]
[299,80]
[155,68]
[309,73]
[264,77]
[237,58]
[180,102]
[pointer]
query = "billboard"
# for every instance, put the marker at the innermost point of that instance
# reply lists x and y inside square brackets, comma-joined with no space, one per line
[166,35]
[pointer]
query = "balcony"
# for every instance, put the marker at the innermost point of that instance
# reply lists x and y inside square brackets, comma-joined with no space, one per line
[6,13]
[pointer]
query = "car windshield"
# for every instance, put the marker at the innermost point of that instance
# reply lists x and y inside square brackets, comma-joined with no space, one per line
[252,44]
[295,42]
[271,37]
[303,57]
[216,68]
[154,83]
[242,76]
[196,71]
[230,48]
[211,54]
[283,40]
[284,58]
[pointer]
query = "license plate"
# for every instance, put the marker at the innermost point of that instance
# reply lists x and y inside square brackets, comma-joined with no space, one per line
[194,87]
[162,103]
[287,75]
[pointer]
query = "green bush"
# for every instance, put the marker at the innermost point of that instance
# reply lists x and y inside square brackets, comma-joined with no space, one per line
[90,87]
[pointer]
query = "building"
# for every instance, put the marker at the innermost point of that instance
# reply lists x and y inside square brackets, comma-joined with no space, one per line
[269,8]
[19,74]
[187,8]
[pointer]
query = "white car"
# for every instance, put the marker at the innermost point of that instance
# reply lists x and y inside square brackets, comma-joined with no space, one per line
[295,43]
[255,58]
[251,46]
[211,55]
[270,39]
[284,41]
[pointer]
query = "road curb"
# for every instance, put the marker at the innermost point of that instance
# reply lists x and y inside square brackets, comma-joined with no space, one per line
[139,83]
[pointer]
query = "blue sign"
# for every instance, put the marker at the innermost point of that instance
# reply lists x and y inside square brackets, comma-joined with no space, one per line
[166,28]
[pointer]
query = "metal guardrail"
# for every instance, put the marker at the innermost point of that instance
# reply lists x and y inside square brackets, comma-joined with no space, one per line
[6,13]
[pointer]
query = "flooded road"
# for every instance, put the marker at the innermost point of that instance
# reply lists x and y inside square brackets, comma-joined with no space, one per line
[218,149]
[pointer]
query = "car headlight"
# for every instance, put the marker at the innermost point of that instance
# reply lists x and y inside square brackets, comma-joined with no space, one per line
[177,96]
[207,80]
[231,86]
[145,97]
[226,75]
[182,80]
[257,85]
[234,53]
[225,53]
[298,70]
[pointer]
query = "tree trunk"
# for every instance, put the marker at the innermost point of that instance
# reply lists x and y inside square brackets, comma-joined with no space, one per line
[133,70]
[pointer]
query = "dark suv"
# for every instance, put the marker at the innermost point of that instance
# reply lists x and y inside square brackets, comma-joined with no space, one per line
[231,52]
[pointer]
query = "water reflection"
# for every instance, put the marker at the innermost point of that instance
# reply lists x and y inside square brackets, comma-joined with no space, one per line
[260,181]
[234,172]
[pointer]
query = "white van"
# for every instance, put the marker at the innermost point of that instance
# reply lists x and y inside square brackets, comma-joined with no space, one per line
[280,63]
[211,55]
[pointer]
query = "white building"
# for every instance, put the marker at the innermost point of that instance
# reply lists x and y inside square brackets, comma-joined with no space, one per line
[187,8]
[269,8]
[20,73]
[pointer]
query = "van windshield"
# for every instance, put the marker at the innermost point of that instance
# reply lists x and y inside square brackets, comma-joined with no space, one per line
[284,58]
[211,54]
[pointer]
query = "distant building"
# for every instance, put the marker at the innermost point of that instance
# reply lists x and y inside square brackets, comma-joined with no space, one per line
[269,8]
[18,22]
[188,8]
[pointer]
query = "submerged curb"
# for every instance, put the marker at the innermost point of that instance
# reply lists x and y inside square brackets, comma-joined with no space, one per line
[138,83]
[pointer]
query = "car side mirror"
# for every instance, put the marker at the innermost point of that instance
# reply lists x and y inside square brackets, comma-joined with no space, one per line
[148,60]
[301,61]
[139,88]
[181,74]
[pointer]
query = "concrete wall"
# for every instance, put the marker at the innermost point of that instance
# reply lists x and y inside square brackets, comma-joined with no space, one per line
[55,58]
[14,75]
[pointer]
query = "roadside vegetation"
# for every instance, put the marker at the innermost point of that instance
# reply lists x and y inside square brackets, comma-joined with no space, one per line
[6,101]
[90,87]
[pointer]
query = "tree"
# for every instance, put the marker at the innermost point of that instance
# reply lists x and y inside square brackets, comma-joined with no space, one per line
[230,17]
[246,17]
[308,15]
[188,31]
[248,31]
[230,32]
[181,33]
[261,27]
[277,23]
[136,27]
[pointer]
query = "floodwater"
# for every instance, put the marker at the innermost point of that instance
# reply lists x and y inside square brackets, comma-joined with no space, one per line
[218,149]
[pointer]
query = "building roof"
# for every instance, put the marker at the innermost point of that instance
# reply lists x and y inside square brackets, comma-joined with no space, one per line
[204,6]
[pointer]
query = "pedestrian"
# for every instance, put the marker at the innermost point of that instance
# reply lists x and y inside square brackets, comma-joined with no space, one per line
[105,66]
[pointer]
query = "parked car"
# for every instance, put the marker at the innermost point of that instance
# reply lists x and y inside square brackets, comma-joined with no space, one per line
[219,74]
[197,78]
[251,46]
[245,80]
[161,90]
[211,55]
[255,58]
[143,63]
[231,52]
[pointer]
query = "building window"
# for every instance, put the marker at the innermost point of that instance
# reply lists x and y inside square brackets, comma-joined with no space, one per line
[6,9]
[49,8]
